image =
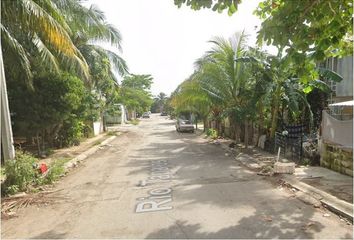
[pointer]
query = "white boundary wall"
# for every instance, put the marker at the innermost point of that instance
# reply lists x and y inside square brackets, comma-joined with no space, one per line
[336,131]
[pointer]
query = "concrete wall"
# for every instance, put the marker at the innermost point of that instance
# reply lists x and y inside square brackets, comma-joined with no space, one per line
[337,158]
[97,128]
[345,69]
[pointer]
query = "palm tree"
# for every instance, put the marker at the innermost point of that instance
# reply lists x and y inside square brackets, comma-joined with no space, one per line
[33,31]
[36,28]
[189,97]
[224,80]
[160,101]
[58,34]
[89,27]
[282,90]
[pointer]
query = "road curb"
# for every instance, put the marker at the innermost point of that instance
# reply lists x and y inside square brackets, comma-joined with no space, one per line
[334,204]
[82,156]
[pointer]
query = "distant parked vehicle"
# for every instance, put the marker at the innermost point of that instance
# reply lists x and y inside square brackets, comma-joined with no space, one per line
[183,125]
[164,114]
[146,115]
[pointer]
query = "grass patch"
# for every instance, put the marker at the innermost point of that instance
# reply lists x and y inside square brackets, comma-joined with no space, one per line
[98,142]
[134,121]
[113,133]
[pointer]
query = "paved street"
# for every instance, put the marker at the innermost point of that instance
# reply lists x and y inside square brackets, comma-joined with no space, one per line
[153,182]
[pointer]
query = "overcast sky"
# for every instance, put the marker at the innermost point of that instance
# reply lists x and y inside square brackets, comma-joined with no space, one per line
[164,41]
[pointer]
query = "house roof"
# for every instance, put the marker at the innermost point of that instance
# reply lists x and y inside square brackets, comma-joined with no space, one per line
[342,104]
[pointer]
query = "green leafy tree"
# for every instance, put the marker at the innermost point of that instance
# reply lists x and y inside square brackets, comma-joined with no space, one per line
[225,80]
[220,5]
[135,93]
[284,89]
[159,103]
[315,29]
[45,37]
[190,97]
[309,30]
[41,113]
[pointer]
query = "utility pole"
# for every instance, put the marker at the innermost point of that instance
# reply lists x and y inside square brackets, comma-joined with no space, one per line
[6,140]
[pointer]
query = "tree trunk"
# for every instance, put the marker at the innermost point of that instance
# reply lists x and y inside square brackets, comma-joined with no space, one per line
[43,140]
[104,123]
[251,138]
[38,144]
[246,134]
[237,133]
[275,111]
[260,120]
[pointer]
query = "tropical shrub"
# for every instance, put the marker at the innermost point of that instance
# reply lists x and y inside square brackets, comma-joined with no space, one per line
[20,173]
[212,133]
[71,132]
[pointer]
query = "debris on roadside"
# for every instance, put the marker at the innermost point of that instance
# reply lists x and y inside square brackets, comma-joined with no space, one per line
[308,225]
[103,146]
[266,171]
[41,167]
[345,220]
[9,205]
[280,167]
[267,218]
[232,145]
[142,183]
[306,198]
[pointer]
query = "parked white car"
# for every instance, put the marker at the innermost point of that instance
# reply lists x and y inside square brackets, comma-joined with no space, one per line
[183,125]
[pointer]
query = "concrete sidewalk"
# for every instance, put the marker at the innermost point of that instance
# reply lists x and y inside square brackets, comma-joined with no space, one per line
[325,193]
[333,190]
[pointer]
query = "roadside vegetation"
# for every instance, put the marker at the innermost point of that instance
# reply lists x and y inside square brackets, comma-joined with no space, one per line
[135,121]
[64,81]
[160,103]
[23,174]
[60,81]
[135,92]
[250,93]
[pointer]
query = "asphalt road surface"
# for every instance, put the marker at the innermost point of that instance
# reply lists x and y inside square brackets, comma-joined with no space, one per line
[153,182]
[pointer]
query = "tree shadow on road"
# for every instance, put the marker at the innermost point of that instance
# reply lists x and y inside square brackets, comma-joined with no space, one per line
[246,229]
[202,175]
[51,235]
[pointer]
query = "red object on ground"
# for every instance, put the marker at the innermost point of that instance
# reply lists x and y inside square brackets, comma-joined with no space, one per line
[43,168]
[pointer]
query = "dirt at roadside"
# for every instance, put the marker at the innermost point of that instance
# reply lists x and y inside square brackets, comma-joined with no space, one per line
[73,151]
